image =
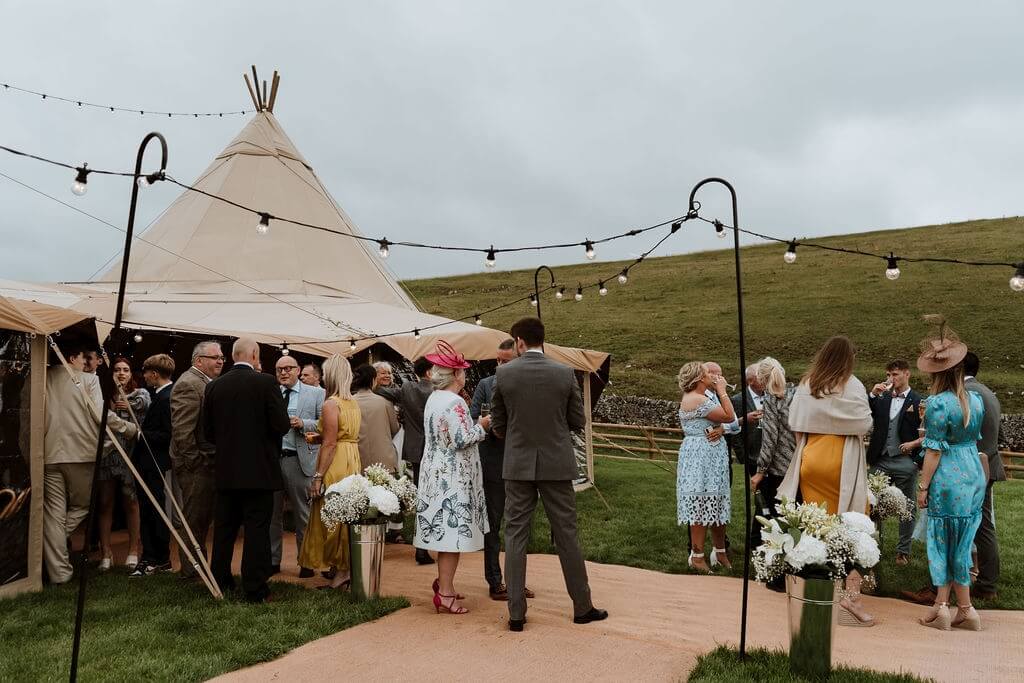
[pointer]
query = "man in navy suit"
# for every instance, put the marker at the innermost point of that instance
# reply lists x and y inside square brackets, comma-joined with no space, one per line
[153,459]
[895,443]
[244,417]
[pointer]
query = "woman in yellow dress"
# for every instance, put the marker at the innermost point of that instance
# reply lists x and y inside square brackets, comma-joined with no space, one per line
[339,457]
[829,416]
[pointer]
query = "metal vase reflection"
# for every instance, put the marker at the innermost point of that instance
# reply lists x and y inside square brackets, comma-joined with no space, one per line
[366,546]
[812,625]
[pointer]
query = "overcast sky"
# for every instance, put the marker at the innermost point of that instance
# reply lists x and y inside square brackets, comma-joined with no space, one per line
[477,122]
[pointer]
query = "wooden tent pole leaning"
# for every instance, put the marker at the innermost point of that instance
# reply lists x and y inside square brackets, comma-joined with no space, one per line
[114,339]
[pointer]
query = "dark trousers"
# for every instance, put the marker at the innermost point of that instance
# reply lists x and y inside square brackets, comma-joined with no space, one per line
[560,506]
[903,476]
[251,510]
[494,495]
[156,537]
[988,546]
[420,552]
[197,498]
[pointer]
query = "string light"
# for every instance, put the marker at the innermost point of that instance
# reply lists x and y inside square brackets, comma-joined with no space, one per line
[489,261]
[478,320]
[533,300]
[676,226]
[132,110]
[137,338]
[352,345]
[80,186]
[284,349]
[579,293]
[588,247]
[384,248]
[416,333]
[624,276]
[264,225]
[892,270]
[560,294]
[790,255]
[145,181]
[1017,281]
[602,290]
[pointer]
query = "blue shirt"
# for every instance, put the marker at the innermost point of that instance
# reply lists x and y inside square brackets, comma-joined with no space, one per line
[289,442]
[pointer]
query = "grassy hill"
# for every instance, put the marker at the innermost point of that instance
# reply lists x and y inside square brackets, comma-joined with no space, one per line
[680,308]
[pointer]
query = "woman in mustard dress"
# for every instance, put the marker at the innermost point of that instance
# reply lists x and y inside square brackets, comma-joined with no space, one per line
[339,457]
[829,416]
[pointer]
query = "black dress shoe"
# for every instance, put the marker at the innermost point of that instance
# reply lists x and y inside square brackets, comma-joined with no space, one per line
[305,573]
[593,615]
[275,569]
[423,557]
[516,624]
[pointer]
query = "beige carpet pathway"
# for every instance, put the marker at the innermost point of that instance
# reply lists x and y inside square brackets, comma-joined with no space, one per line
[658,626]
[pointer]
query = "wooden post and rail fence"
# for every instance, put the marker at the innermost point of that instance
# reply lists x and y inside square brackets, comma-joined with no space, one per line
[641,442]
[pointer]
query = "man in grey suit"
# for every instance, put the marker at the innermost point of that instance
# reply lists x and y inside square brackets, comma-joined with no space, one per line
[411,398]
[298,458]
[535,405]
[988,546]
[191,454]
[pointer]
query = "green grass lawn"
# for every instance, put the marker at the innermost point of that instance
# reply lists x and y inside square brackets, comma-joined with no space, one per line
[765,666]
[640,530]
[681,308]
[160,628]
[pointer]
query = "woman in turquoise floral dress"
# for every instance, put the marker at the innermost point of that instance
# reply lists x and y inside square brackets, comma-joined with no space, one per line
[953,477]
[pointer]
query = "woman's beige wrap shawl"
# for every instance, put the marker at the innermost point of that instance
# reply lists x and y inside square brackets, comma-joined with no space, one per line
[847,414]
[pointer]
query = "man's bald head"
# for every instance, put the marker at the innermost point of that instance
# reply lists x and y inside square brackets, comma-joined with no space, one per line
[712,368]
[245,350]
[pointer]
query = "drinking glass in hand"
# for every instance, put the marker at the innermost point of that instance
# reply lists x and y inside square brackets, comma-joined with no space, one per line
[485,409]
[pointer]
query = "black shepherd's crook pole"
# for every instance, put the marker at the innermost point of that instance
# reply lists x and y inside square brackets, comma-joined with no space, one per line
[745,433]
[536,287]
[115,339]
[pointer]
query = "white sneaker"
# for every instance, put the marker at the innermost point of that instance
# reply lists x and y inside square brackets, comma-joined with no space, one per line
[105,564]
[131,560]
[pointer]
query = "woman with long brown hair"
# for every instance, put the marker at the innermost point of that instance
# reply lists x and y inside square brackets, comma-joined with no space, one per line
[953,477]
[829,416]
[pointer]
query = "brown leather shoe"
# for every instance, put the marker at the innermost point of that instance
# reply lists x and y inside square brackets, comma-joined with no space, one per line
[499,592]
[902,560]
[925,596]
[528,593]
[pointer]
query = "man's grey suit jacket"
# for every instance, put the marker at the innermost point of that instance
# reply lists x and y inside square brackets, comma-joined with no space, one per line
[535,405]
[989,442]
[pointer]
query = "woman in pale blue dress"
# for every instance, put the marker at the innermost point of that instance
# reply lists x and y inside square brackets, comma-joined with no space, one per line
[702,472]
[952,483]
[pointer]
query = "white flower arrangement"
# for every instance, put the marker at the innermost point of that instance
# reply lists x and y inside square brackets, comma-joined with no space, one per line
[373,496]
[807,541]
[887,500]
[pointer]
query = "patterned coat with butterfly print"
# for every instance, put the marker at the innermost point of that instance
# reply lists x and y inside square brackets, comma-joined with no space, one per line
[451,514]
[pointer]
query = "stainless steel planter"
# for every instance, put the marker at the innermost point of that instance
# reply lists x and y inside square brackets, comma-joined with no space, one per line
[812,625]
[366,550]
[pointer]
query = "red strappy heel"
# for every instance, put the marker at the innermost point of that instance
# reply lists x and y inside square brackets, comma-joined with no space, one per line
[439,605]
[437,589]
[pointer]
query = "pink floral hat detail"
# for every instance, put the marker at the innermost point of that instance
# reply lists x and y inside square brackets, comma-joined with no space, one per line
[447,357]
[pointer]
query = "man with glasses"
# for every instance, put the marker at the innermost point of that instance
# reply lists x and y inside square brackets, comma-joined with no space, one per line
[191,453]
[298,458]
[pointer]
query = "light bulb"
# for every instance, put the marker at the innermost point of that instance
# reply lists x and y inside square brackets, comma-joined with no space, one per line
[533,300]
[285,351]
[143,182]
[602,290]
[264,225]
[579,293]
[589,249]
[624,276]
[1017,281]
[138,339]
[79,187]
[489,261]
[384,250]
[352,345]
[478,320]
[719,229]
[790,255]
[416,334]
[560,294]
[892,270]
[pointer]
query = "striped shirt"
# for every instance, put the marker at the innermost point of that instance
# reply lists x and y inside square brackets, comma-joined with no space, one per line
[778,443]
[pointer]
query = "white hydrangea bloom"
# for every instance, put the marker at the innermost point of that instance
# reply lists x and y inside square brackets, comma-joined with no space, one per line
[384,500]
[809,551]
[858,521]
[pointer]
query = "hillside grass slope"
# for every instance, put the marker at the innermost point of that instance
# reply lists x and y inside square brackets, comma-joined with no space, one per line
[680,308]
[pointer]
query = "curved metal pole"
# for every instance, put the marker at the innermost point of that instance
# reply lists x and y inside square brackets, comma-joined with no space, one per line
[745,432]
[536,286]
[113,339]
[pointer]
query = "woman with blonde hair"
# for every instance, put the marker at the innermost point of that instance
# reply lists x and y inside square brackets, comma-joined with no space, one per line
[339,457]
[702,471]
[777,440]
[830,415]
[953,477]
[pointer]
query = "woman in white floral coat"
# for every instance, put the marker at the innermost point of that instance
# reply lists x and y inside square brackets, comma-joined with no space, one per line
[451,515]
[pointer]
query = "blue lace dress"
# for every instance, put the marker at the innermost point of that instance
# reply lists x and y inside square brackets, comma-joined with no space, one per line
[956,490]
[702,473]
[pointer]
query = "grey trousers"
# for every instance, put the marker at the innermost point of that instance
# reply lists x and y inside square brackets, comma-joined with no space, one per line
[988,546]
[905,479]
[296,487]
[560,505]
[198,497]
[66,490]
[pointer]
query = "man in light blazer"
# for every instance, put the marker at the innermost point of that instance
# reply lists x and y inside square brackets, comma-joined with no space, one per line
[984,586]
[298,458]
[191,453]
[411,398]
[535,405]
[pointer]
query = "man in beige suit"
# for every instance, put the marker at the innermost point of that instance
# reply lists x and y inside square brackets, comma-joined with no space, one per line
[191,453]
[69,446]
